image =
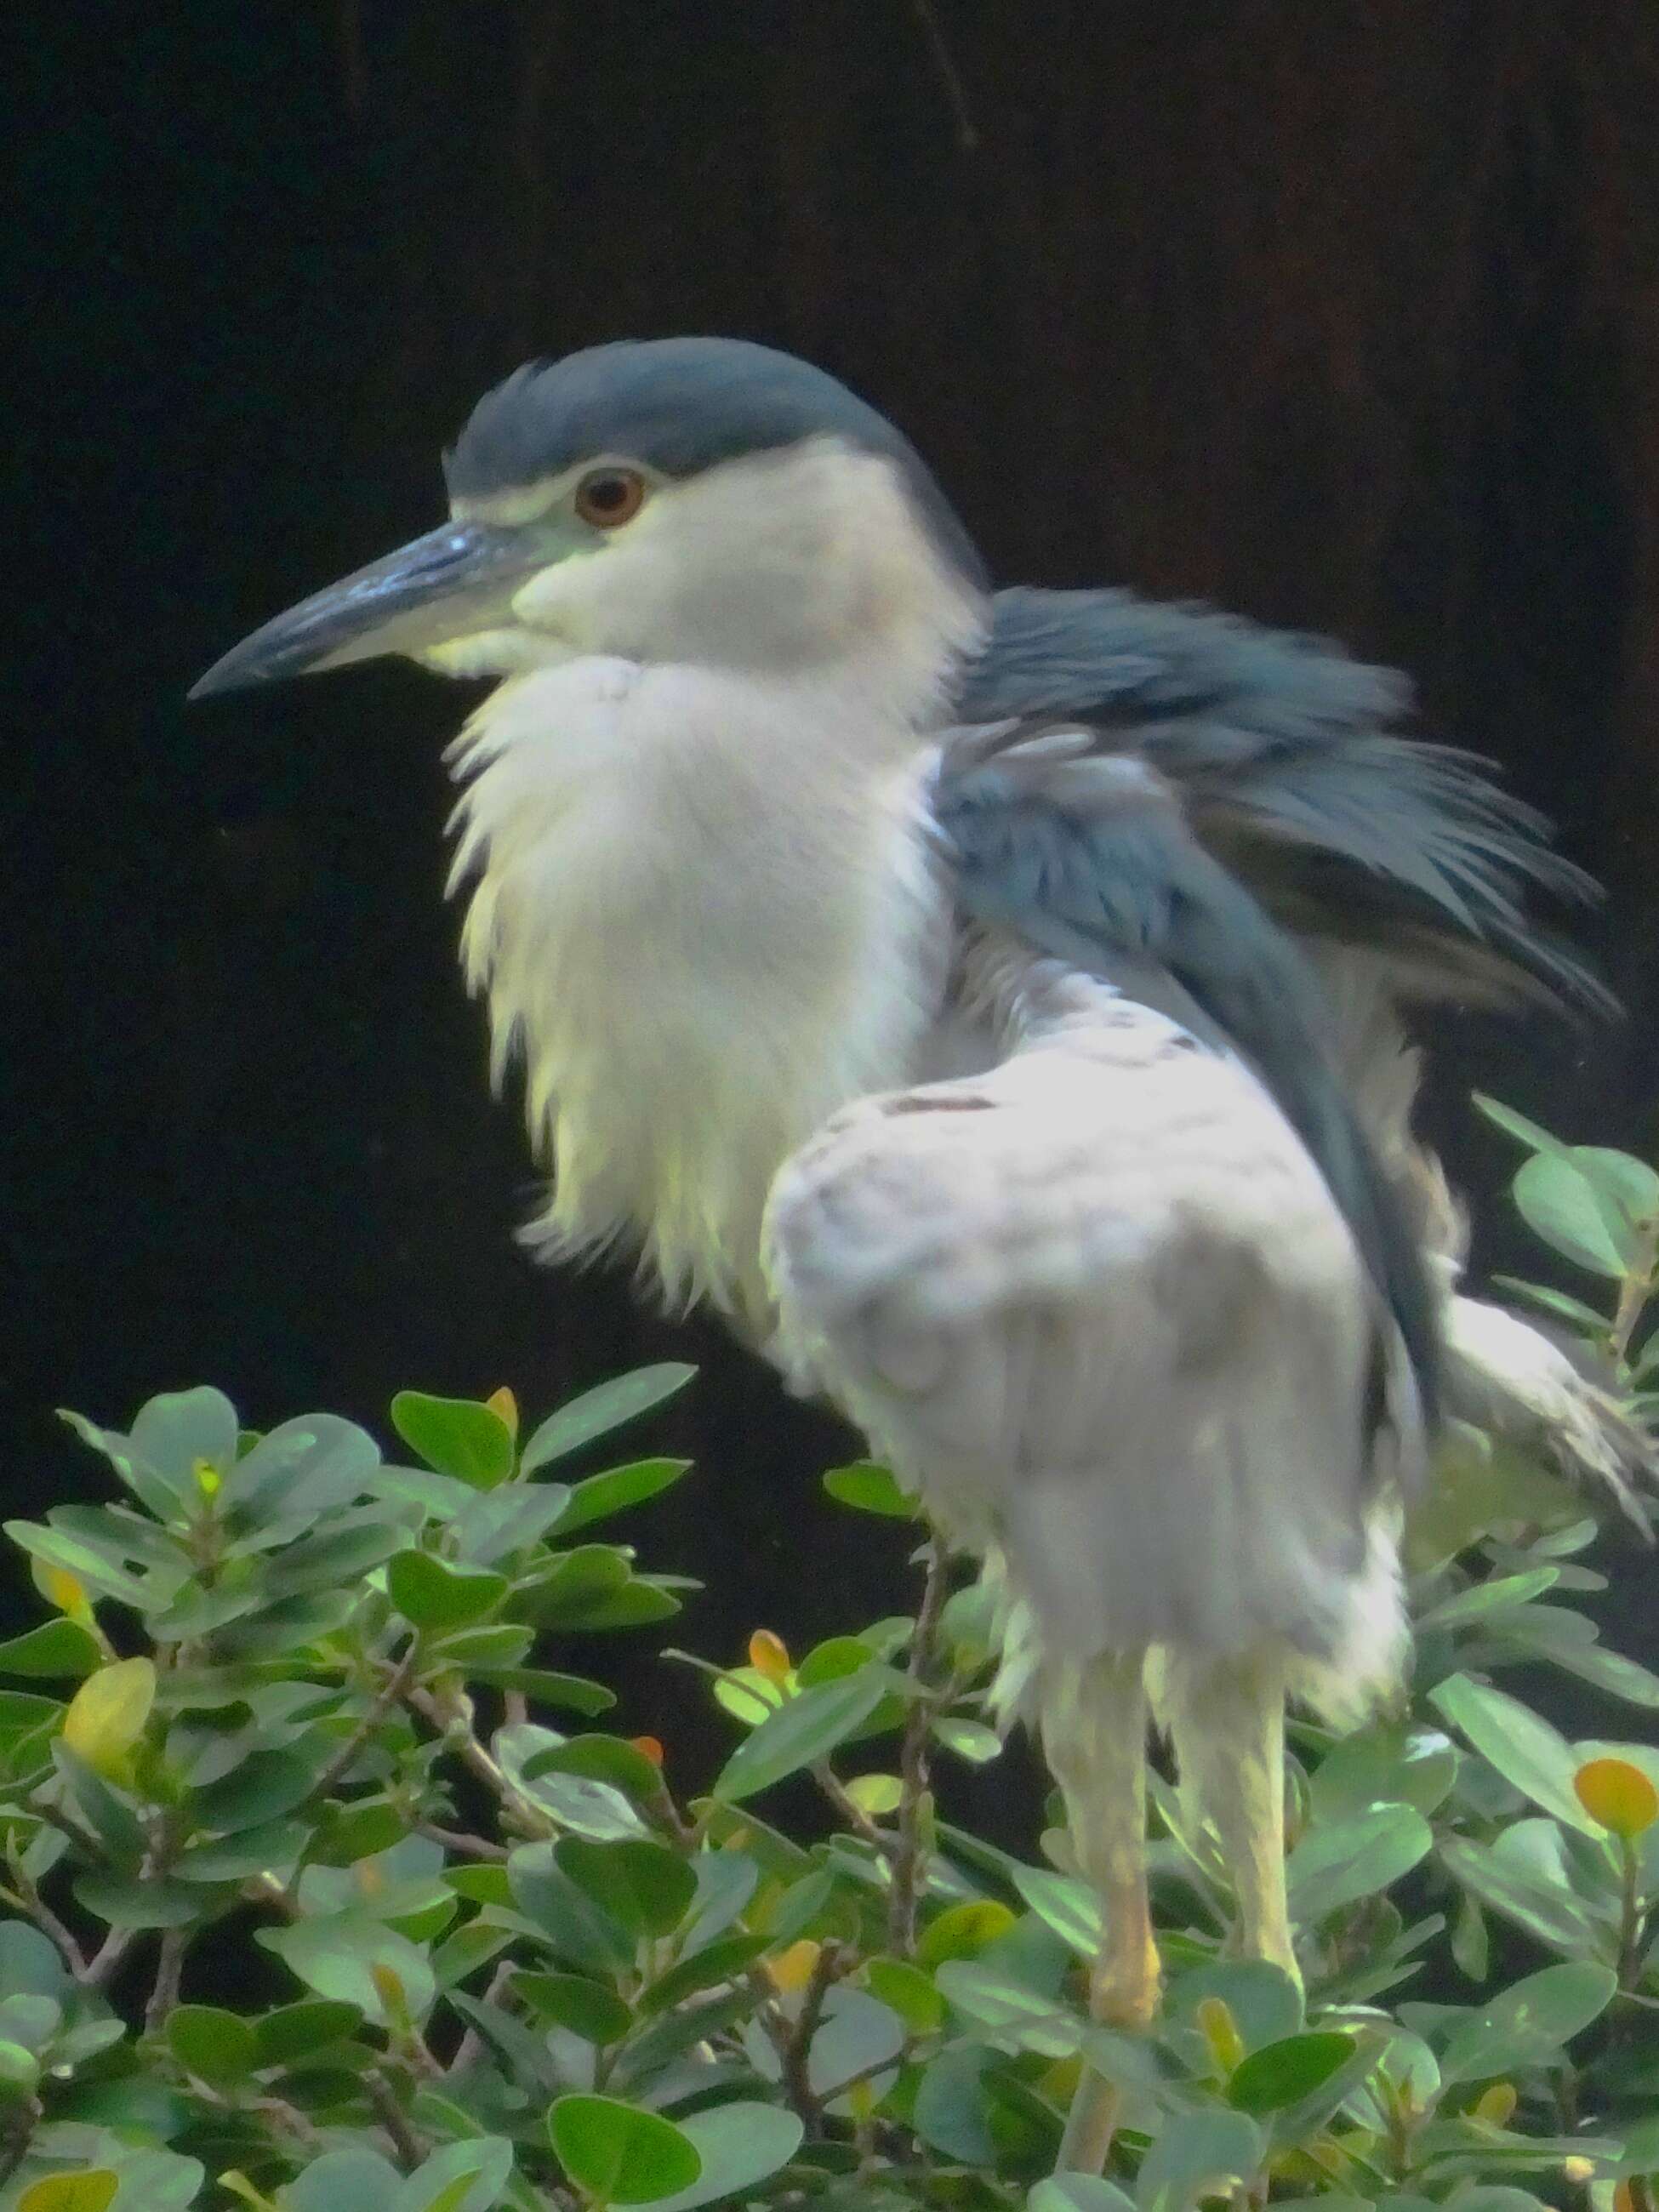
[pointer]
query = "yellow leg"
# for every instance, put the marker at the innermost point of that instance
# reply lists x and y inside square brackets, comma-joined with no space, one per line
[1094,1730]
[1228,1723]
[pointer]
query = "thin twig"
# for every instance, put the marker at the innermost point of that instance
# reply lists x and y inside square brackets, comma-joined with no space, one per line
[406,2142]
[169,1971]
[797,2078]
[102,1967]
[912,1758]
[1635,1288]
[853,1814]
[453,1722]
[468,2050]
[390,1691]
[463,1845]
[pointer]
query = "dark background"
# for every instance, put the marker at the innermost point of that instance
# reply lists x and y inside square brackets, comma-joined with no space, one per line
[1341,315]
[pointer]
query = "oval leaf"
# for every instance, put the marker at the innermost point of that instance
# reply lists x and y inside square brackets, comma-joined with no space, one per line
[436,1596]
[643,1887]
[472,1443]
[597,1412]
[869,1488]
[620,2154]
[107,1714]
[740,2145]
[803,1729]
[1281,2074]
[92,2190]
[1524,1748]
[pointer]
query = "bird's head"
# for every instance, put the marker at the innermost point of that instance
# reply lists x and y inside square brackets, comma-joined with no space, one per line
[681,499]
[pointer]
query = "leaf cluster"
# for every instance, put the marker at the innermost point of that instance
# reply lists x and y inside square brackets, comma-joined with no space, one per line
[295,1702]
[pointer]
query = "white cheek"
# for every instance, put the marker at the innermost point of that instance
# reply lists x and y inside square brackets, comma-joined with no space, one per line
[560,597]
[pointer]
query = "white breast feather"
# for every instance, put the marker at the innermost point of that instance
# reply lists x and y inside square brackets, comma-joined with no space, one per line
[703,917]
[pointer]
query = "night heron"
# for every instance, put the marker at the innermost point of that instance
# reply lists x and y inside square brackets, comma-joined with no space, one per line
[988,1001]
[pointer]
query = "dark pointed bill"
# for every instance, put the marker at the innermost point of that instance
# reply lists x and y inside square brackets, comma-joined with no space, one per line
[453,581]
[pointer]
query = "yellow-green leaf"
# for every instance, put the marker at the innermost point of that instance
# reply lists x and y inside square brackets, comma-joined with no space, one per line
[92,2190]
[106,1715]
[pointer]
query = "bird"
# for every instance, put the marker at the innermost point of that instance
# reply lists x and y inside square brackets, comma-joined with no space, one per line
[995,1004]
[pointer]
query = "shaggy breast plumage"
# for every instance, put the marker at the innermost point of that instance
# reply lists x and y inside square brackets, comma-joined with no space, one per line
[693,968]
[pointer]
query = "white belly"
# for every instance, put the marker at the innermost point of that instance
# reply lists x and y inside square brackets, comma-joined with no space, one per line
[700,936]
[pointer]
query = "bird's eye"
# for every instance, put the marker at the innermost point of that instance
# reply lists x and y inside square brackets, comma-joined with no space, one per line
[610,497]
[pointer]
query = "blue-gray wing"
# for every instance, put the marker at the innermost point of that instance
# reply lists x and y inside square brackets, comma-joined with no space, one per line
[1085,853]
[1283,753]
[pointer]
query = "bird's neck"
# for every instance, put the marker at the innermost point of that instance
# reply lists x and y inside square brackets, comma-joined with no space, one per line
[703,918]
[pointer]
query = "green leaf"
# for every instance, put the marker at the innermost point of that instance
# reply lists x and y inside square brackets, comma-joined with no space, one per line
[576,1928]
[462,2177]
[359,2178]
[1199,2154]
[1525,1749]
[30,1963]
[292,2031]
[590,2009]
[869,1488]
[619,2153]
[741,2145]
[470,1441]
[951,2113]
[92,2190]
[616,1489]
[722,1961]
[907,1991]
[1589,1206]
[970,1739]
[275,1847]
[176,1435]
[128,1902]
[1338,1865]
[1529,2023]
[1024,2019]
[262,1788]
[302,1472]
[600,1758]
[803,1729]
[1523,1874]
[1077,2192]
[1498,1593]
[644,1886]
[597,1412]
[219,2047]
[1384,1763]
[857,2034]
[1517,1125]
[574,1692]
[1281,2074]
[340,1955]
[436,1596]
[964,1930]
[56,1648]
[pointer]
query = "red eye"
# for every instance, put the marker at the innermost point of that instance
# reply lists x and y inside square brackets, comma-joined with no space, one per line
[609,497]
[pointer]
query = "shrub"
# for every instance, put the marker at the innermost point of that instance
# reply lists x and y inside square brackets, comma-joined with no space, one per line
[294,1700]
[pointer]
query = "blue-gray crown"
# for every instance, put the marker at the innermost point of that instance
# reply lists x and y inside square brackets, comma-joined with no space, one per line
[680,405]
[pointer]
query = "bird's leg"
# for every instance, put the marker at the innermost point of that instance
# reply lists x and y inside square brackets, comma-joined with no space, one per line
[1228,1723]
[1094,1730]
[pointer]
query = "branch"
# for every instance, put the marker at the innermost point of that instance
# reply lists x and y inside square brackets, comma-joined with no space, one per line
[169,1970]
[913,1759]
[797,2051]
[390,1691]
[392,2117]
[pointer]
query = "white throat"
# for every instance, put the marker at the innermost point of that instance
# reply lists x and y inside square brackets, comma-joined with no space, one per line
[703,917]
